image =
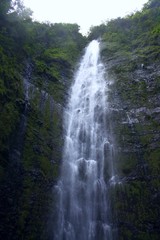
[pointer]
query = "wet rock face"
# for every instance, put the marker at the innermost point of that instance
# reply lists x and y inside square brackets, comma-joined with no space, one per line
[32,160]
[134,99]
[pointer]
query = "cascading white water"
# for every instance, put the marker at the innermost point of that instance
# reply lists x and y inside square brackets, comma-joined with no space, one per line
[83,209]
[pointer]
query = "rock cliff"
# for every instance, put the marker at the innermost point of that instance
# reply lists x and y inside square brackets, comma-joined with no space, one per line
[135,115]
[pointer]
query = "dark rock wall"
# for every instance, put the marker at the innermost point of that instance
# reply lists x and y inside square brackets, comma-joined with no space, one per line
[134,98]
[32,160]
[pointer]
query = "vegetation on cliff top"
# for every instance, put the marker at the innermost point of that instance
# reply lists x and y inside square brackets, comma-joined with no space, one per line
[135,37]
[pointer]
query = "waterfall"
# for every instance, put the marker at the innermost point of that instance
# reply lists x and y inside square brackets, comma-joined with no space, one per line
[83,207]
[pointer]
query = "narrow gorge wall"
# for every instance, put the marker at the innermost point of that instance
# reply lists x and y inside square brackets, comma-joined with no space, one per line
[134,102]
[32,163]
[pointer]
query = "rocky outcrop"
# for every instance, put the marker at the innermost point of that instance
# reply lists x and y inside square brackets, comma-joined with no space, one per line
[33,161]
[135,115]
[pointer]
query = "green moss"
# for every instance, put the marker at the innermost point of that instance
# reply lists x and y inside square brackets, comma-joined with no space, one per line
[128,234]
[54,72]
[146,236]
[154,161]
[2,88]
[156,184]
[40,66]
[2,173]
[127,163]
[146,139]
[28,185]
[45,166]
[53,54]
[8,123]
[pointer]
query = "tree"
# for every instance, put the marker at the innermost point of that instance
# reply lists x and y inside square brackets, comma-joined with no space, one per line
[152,4]
[5,6]
[22,12]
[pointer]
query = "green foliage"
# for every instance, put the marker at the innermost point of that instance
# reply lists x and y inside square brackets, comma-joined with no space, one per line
[96,32]
[136,211]
[127,164]
[4,8]
[136,34]
[154,161]
[152,4]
